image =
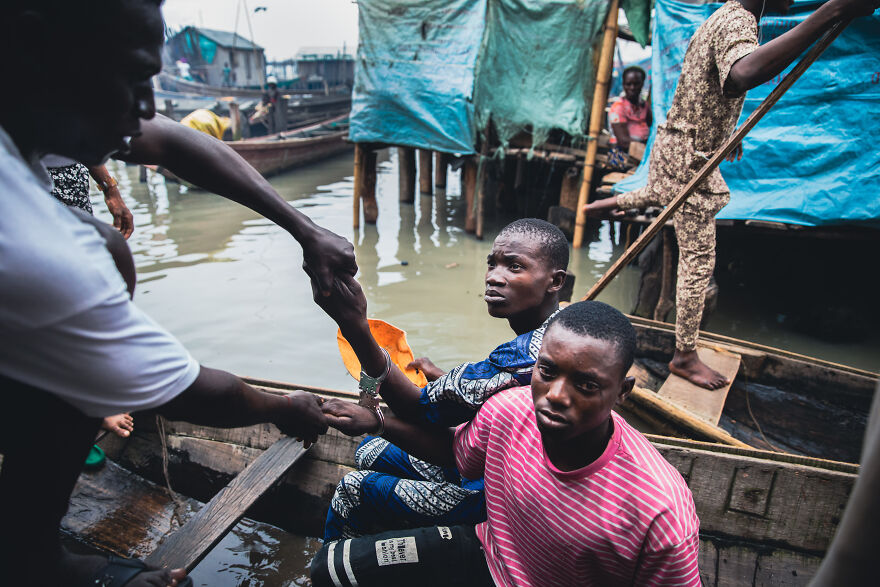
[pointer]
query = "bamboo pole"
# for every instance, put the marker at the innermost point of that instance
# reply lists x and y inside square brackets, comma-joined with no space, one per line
[735,139]
[597,113]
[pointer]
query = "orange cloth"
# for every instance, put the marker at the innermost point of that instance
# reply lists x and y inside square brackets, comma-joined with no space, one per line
[390,338]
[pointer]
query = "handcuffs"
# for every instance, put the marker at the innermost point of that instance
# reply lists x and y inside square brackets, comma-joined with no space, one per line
[369,392]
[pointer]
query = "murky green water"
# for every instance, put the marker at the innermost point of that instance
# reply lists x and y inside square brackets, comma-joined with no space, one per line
[229,284]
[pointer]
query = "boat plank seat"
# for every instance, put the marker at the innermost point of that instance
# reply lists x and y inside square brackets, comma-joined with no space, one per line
[186,547]
[703,403]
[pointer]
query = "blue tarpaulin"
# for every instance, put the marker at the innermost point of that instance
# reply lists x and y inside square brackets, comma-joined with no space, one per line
[813,159]
[415,73]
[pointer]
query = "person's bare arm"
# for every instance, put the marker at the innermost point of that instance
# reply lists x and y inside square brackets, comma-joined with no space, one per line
[217,398]
[347,306]
[772,58]
[214,166]
[123,220]
[621,133]
[427,442]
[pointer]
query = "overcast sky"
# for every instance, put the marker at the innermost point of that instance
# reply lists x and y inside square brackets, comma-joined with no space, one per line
[284,27]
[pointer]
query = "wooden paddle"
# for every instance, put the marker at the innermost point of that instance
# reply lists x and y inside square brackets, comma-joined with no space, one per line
[716,159]
[189,545]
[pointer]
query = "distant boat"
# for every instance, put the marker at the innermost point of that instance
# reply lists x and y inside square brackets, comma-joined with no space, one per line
[282,151]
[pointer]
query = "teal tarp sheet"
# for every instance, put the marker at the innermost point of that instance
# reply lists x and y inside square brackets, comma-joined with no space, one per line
[536,67]
[417,78]
[415,73]
[814,158]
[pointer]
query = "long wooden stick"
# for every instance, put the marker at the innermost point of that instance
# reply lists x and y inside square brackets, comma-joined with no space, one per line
[716,159]
[186,547]
[597,113]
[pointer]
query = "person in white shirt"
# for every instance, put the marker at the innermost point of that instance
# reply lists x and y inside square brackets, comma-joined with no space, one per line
[73,347]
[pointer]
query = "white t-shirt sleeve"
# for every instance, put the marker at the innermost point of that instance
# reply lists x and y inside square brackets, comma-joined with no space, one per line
[66,323]
[108,359]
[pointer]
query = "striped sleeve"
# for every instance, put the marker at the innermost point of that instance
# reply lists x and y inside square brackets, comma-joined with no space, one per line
[675,565]
[472,441]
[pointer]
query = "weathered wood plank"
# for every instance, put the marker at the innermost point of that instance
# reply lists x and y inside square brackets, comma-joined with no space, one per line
[188,546]
[706,404]
[793,507]
[118,511]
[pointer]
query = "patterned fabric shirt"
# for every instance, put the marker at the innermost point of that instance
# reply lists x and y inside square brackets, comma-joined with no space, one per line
[634,117]
[628,518]
[455,397]
[700,105]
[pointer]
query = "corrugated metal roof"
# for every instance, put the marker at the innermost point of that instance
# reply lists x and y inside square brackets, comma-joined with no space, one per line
[227,39]
[323,53]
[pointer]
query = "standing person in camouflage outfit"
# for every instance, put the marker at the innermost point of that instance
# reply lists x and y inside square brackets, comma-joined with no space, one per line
[723,61]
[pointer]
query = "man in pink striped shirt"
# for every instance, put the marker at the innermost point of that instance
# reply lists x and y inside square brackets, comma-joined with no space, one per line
[575,496]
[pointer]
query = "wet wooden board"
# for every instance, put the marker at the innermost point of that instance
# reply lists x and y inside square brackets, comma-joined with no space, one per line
[123,513]
[704,403]
[185,548]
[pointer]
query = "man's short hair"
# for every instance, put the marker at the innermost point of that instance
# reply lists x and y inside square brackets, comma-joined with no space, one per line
[602,322]
[553,241]
[636,69]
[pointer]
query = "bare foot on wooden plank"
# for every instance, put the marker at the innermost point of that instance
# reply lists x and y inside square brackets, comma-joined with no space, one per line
[687,364]
[120,425]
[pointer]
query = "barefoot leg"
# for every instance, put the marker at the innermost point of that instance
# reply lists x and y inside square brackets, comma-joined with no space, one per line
[120,424]
[687,364]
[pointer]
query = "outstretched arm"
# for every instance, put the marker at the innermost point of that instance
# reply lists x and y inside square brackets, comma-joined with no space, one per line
[347,306]
[217,398]
[427,442]
[214,166]
[772,58]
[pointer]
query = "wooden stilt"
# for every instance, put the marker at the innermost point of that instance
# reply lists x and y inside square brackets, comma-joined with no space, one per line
[441,161]
[600,96]
[406,159]
[426,165]
[365,184]
[371,207]
[469,181]
[357,194]
[142,175]
[481,188]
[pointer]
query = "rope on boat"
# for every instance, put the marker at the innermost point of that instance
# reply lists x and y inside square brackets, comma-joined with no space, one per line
[755,420]
[178,502]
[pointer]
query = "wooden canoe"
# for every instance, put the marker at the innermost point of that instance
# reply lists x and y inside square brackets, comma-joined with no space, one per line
[779,400]
[282,151]
[766,518]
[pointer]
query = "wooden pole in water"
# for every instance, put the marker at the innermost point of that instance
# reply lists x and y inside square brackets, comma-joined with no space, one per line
[359,156]
[483,172]
[426,167]
[469,185]
[597,114]
[368,198]
[440,171]
[406,159]
[716,159]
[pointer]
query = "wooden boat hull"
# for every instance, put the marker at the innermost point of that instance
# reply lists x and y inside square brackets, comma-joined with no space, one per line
[765,518]
[274,156]
[779,400]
